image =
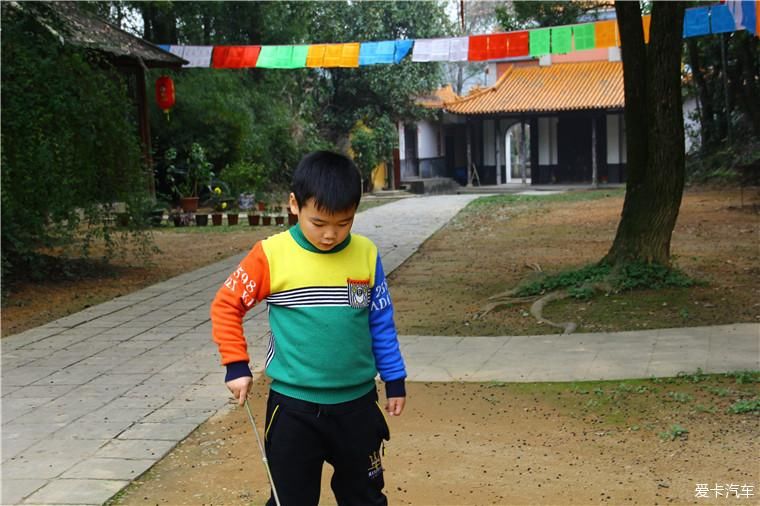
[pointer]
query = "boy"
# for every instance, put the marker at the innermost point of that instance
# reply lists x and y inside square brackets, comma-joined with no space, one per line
[332,330]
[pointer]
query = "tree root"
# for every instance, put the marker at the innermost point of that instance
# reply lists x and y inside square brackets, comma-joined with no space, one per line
[536,309]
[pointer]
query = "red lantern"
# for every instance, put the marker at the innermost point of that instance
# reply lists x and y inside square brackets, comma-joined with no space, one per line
[165,93]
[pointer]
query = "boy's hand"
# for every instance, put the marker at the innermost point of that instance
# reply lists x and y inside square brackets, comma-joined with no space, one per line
[240,388]
[395,405]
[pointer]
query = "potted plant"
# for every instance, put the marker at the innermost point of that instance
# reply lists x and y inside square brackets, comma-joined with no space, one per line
[219,202]
[253,217]
[232,215]
[180,218]
[201,219]
[188,179]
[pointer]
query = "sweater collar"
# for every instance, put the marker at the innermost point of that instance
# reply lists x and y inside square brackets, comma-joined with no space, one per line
[297,234]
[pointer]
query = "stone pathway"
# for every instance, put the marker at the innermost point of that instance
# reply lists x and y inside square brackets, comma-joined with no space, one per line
[94,399]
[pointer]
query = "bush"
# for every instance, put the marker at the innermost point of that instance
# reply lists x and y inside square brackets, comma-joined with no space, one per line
[69,143]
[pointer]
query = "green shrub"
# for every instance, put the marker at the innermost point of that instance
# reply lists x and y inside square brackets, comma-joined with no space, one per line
[70,146]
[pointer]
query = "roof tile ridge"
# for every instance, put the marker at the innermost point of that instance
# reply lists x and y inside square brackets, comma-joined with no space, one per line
[490,89]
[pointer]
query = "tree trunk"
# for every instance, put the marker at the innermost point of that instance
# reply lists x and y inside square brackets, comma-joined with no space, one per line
[747,80]
[654,133]
[707,116]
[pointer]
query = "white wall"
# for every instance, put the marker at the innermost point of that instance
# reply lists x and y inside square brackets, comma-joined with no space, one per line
[428,140]
[489,139]
[616,139]
[401,142]
[547,141]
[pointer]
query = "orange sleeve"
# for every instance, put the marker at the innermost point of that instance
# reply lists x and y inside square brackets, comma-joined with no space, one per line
[243,289]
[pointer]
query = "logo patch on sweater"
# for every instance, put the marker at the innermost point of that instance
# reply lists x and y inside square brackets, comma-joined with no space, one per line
[358,293]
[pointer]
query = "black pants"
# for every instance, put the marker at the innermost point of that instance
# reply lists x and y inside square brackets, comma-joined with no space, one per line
[300,436]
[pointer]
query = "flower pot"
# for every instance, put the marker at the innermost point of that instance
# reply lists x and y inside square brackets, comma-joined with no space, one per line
[232,218]
[178,221]
[266,220]
[292,219]
[201,220]
[189,204]
[216,218]
[262,206]
[253,219]
[279,220]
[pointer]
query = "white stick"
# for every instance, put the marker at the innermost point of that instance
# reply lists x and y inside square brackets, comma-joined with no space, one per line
[263,453]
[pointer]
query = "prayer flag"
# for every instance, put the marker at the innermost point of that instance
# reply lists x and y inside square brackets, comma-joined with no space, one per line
[342,55]
[198,56]
[562,40]
[316,55]
[696,21]
[646,22]
[721,20]
[401,49]
[498,46]
[518,44]
[282,57]
[167,47]
[235,57]
[371,53]
[458,48]
[745,14]
[540,42]
[584,36]
[605,33]
[430,50]
[478,48]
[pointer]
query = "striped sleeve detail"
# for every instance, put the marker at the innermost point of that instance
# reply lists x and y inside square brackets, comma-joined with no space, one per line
[313,296]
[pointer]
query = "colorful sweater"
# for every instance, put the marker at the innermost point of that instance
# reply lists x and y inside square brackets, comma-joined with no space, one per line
[330,315]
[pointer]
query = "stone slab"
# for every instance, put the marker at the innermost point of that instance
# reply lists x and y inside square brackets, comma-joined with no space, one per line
[76,491]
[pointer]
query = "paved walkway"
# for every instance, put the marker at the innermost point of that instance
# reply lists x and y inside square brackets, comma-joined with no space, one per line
[92,400]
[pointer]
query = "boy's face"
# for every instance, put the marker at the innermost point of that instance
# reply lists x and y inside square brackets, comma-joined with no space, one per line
[322,229]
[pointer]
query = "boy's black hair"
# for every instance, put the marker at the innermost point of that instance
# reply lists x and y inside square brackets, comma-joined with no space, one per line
[330,178]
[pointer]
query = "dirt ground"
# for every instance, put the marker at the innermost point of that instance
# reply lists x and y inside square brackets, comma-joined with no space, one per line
[496,443]
[487,250]
[465,443]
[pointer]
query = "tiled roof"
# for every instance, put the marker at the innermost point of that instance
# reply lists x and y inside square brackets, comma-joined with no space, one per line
[439,98]
[558,87]
[86,30]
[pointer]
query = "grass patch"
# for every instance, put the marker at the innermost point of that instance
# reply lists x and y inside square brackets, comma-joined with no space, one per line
[650,405]
[484,203]
[580,282]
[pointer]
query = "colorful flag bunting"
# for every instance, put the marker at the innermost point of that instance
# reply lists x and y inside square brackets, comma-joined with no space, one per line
[316,55]
[430,50]
[372,53]
[458,48]
[540,42]
[562,40]
[519,44]
[605,33]
[584,36]
[341,55]
[282,57]
[478,48]
[453,49]
[721,19]
[235,57]
[498,44]
[696,21]
[745,13]
[401,49]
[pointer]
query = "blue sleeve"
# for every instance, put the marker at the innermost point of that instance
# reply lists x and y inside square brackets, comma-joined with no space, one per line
[385,344]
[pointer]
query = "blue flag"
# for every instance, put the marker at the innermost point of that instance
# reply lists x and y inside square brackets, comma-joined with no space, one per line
[721,19]
[696,21]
